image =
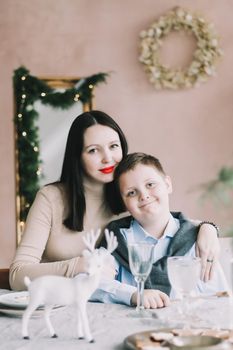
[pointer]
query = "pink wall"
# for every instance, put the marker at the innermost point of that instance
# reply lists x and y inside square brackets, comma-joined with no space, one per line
[190,130]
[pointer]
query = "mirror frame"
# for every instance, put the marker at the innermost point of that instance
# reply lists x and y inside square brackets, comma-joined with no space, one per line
[27,90]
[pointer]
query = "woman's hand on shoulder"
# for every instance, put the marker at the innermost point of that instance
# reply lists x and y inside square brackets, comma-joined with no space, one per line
[153,299]
[208,249]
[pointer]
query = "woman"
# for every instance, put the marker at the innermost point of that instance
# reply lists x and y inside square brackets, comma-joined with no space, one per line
[64,211]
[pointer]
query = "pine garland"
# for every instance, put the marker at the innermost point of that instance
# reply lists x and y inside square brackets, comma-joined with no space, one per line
[28,89]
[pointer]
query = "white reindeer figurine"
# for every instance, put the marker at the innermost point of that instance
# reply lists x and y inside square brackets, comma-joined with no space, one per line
[56,290]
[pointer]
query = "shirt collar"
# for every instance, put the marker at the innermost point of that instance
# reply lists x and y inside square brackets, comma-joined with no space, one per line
[170,230]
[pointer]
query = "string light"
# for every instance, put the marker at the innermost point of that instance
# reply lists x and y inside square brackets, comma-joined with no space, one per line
[36,149]
[43,94]
[20,115]
[76,97]
[90,86]
[23,96]
[24,133]
[38,171]
[23,77]
[29,108]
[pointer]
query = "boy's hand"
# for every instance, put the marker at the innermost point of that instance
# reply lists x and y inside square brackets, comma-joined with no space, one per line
[153,299]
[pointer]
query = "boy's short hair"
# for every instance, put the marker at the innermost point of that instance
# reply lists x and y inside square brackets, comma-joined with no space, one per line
[128,163]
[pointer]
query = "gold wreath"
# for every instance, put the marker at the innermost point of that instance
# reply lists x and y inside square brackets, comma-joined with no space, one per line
[204,57]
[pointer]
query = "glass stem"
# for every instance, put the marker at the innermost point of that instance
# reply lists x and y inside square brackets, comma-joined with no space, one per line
[186,309]
[140,294]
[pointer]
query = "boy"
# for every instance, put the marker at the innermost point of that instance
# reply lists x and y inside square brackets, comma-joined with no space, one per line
[143,189]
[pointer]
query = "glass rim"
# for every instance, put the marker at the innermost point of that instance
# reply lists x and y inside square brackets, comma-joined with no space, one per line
[184,257]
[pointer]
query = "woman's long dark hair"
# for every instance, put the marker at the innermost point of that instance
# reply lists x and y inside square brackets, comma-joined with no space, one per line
[72,170]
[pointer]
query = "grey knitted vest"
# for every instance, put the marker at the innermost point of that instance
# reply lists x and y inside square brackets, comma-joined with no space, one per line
[180,244]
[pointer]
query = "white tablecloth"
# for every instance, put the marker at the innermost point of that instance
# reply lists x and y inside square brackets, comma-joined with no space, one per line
[109,323]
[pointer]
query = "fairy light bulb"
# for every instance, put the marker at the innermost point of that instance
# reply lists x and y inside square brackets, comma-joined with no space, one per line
[39,170]
[90,86]
[76,97]
[24,133]
[23,77]
[43,94]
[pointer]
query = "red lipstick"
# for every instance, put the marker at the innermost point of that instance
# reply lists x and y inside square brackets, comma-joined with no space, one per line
[107,170]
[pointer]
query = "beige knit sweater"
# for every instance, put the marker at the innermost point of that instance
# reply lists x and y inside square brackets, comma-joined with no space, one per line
[47,246]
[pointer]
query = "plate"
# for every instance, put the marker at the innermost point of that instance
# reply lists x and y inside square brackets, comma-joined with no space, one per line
[15,303]
[142,340]
[19,312]
[15,300]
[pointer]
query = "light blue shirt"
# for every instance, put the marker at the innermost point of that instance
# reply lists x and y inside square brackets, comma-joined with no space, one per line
[121,289]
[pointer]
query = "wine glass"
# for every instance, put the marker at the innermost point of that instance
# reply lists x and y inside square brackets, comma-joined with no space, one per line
[184,273]
[140,262]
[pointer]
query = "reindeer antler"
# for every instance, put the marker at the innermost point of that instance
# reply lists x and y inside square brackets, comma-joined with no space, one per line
[90,239]
[111,240]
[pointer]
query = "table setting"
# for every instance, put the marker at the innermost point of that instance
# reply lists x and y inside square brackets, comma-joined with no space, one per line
[192,322]
[111,325]
[14,304]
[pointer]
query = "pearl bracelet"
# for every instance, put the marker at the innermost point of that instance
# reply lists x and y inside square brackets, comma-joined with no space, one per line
[210,223]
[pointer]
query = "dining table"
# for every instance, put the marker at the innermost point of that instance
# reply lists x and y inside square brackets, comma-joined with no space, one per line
[111,324]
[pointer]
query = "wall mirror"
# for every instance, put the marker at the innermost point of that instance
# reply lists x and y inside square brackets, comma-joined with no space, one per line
[44,110]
